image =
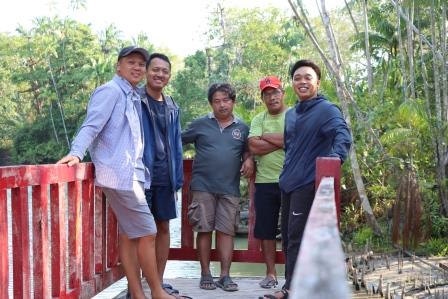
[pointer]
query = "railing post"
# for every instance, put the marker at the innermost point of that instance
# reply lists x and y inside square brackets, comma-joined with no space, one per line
[187,236]
[20,243]
[88,229]
[112,238]
[253,244]
[74,237]
[100,231]
[41,259]
[58,240]
[330,167]
[4,266]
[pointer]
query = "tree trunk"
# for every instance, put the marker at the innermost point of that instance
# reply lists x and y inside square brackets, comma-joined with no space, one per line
[441,148]
[341,95]
[410,44]
[367,48]
[52,123]
[351,17]
[345,97]
[444,63]
[401,55]
[59,104]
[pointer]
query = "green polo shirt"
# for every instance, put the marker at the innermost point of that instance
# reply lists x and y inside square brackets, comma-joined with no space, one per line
[270,165]
[219,154]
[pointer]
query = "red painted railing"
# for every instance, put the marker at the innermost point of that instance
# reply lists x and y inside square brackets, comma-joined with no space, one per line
[84,259]
[326,167]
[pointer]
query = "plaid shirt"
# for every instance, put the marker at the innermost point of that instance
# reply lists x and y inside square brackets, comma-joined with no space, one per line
[112,133]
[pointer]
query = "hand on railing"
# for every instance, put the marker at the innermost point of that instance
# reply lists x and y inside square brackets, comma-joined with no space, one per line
[69,160]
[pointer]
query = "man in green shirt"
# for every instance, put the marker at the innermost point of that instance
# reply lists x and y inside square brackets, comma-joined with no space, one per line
[266,142]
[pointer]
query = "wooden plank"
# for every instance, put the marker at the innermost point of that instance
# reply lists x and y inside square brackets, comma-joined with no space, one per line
[87,229]
[100,231]
[41,247]
[20,243]
[58,240]
[248,288]
[252,243]
[187,235]
[330,167]
[4,264]
[74,236]
[320,267]
[32,175]
[112,238]
[443,266]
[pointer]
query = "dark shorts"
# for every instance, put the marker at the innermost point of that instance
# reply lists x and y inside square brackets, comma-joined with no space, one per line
[267,206]
[162,202]
[209,211]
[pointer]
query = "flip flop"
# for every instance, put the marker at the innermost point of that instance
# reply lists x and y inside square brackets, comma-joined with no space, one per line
[177,296]
[169,289]
[268,282]
[227,284]
[285,294]
[207,283]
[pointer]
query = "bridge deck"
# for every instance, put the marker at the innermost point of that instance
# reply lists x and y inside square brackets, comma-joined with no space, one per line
[248,288]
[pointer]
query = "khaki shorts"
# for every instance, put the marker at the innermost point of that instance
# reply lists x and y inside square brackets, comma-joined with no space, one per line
[208,212]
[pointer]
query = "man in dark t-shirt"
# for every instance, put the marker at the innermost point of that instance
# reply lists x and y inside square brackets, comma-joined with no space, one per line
[162,154]
[222,155]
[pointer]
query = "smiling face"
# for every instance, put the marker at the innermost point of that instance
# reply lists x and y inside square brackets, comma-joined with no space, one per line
[273,99]
[305,83]
[132,68]
[222,105]
[158,74]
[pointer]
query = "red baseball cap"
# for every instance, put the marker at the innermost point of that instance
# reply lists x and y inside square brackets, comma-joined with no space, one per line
[270,81]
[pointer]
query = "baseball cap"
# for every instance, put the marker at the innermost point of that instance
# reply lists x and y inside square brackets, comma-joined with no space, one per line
[270,81]
[133,49]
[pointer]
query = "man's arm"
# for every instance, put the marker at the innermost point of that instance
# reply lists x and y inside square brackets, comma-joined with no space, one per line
[337,129]
[259,146]
[100,108]
[274,138]
[247,169]
[189,134]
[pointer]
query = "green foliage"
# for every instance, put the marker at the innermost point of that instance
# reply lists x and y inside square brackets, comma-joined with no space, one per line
[436,247]
[48,71]
[363,236]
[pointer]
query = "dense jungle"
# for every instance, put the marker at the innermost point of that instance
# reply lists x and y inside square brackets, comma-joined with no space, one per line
[385,64]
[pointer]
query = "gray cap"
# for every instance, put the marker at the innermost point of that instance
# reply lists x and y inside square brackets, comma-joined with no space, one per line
[133,49]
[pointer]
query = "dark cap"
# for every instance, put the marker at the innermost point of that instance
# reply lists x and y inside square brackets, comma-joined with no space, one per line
[133,49]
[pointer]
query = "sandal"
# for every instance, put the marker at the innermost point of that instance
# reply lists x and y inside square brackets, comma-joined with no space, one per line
[284,292]
[226,283]
[169,289]
[177,296]
[206,282]
[268,282]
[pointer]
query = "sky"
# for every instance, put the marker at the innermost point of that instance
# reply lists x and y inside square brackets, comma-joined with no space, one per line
[178,25]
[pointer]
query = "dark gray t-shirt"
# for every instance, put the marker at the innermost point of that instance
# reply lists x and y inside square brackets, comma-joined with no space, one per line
[219,154]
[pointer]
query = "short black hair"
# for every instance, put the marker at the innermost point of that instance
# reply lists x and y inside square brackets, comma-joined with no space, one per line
[305,62]
[160,56]
[222,87]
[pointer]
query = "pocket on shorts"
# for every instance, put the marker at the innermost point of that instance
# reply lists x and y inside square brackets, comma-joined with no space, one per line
[194,213]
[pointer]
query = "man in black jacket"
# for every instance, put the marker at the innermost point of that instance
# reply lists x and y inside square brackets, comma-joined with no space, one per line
[313,128]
